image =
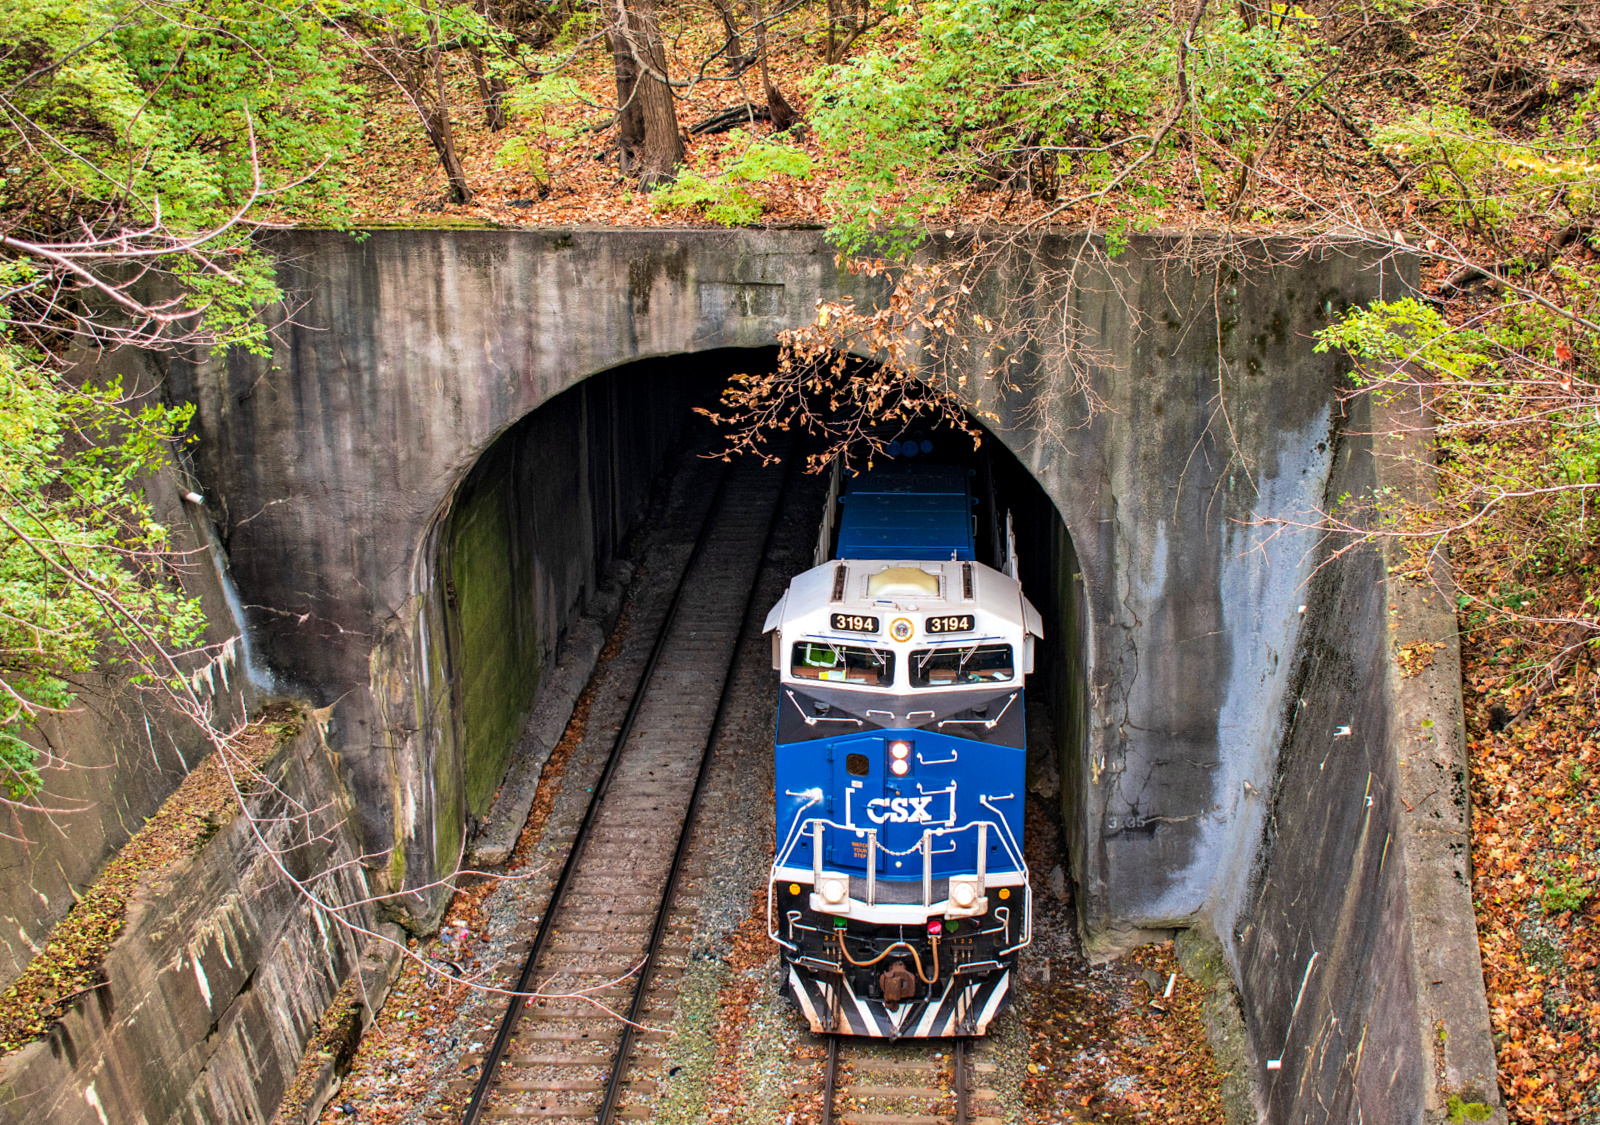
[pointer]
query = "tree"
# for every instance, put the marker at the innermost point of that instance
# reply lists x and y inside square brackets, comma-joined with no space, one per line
[135,173]
[779,111]
[648,140]
[405,44]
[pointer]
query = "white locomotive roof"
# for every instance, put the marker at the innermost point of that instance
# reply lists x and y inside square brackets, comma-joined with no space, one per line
[910,591]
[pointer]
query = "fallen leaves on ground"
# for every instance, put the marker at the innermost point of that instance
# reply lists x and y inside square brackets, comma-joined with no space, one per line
[1105,1042]
[1535,842]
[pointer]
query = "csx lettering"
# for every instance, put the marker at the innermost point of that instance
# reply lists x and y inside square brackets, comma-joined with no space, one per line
[900,810]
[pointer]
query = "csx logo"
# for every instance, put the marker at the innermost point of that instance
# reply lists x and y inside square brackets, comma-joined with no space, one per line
[900,810]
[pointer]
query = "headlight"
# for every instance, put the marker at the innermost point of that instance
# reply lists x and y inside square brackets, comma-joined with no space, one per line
[901,750]
[899,767]
[967,899]
[833,891]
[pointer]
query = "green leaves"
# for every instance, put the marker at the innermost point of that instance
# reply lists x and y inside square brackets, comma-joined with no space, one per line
[727,197]
[1409,331]
[1482,175]
[1028,94]
[533,106]
[84,581]
[182,110]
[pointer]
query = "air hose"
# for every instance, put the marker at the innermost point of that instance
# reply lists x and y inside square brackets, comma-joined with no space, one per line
[908,947]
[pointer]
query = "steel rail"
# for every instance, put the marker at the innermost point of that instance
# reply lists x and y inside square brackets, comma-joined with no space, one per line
[963,1081]
[658,933]
[830,1079]
[502,1039]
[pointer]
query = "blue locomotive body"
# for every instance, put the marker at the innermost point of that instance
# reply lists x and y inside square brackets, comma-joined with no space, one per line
[899,892]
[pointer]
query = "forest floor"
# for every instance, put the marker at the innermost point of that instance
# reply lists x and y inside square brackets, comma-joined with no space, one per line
[556,162]
[1535,846]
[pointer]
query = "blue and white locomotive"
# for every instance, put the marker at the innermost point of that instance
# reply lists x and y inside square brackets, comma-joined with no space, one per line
[898,892]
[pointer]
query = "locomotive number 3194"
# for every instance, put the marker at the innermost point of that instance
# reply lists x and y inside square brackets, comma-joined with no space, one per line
[954,623]
[853,623]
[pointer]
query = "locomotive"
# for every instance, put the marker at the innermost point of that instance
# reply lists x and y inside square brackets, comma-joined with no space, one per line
[898,892]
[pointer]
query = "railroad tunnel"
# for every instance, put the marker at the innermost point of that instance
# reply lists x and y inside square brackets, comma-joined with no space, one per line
[540,519]
[1218,685]
[531,532]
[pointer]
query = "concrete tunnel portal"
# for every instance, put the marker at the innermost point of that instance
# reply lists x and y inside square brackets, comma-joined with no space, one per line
[435,390]
[540,520]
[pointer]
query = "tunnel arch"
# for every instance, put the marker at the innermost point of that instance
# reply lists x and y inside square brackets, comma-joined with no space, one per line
[532,526]
[329,463]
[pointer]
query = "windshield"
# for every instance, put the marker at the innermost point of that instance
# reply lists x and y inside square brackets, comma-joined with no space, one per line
[843,664]
[973,664]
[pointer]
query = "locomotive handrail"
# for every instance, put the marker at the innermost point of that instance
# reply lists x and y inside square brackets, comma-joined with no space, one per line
[816,826]
[987,724]
[807,826]
[813,720]
[1027,880]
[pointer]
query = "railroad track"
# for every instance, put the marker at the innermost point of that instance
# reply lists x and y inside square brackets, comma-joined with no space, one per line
[921,1082]
[604,945]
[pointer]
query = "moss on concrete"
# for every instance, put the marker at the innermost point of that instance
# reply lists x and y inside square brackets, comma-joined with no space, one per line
[1200,955]
[498,671]
[72,961]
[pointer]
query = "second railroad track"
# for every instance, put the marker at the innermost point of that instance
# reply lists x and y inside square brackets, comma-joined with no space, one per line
[597,965]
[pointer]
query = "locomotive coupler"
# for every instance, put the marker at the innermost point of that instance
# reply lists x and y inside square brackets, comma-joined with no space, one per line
[897,984]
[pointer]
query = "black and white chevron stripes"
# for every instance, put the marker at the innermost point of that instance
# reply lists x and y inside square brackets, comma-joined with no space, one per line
[966,1007]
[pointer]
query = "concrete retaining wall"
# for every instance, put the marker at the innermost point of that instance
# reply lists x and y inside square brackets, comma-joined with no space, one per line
[513,562]
[530,531]
[1357,953]
[217,978]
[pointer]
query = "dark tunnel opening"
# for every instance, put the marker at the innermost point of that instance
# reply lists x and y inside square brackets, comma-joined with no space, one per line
[546,512]
[534,529]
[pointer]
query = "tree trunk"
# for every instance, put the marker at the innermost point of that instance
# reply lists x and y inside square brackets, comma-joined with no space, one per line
[838,14]
[733,48]
[491,87]
[779,110]
[491,90]
[639,37]
[440,131]
[630,117]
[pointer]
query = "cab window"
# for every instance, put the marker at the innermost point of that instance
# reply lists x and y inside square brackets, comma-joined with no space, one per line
[951,667]
[869,667]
